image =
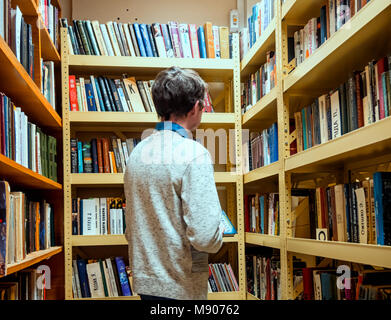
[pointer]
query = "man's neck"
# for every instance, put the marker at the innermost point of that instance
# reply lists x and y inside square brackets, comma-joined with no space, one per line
[182,122]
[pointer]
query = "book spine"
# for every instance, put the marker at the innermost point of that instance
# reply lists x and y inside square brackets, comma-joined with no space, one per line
[139,38]
[209,41]
[378,197]
[123,278]
[106,159]
[167,41]
[201,42]
[194,41]
[80,156]
[159,40]
[176,42]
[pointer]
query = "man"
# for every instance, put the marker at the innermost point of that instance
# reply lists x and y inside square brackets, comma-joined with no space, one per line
[173,211]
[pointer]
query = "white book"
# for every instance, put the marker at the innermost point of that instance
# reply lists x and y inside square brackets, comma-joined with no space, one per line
[98,107]
[361,215]
[108,282]
[244,42]
[38,144]
[365,99]
[323,119]
[126,151]
[48,229]
[103,211]
[314,37]
[25,141]
[95,280]
[128,37]
[113,38]
[17,35]
[112,277]
[33,147]
[317,285]
[340,212]
[332,13]
[99,38]
[120,225]
[160,46]
[98,216]
[335,115]
[377,105]
[369,95]
[216,37]
[83,94]
[113,221]
[89,218]
[17,112]
[70,46]
[185,40]
[106,38]
[302,40]
[121,154]
[121,95]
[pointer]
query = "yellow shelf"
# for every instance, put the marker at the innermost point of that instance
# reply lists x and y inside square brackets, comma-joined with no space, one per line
[359,144]
[262,173]
[250,296]
[355,252]
[263,113]
[136,297]
[264,240]
[104,179]
[33,258]
[256,56]
[334,61]
[209,69]
[299,12]
[233,295]
[116,240]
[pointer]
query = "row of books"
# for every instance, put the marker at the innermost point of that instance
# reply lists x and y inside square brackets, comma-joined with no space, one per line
[24,285]
[261,213]
[261,149]
[101,155]
[263,273]
[26,226]
[171,40]
[24,142]
[364,99]
[50,17]
[98,216]
[262,13]
[333,16]
[364,284]
[259,83]
[99,278]
[18,34]
[48,82]
[221,278]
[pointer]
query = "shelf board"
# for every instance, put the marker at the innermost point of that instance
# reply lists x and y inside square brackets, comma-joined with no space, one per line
[262,173]
[49,50]
[20,176]
[105,179]
[23,91]
[116,240]
[264,240]
[256,56]
[138,121]
[354,252]
[250,296]
[263,113]
[136,297]
[300,11]
[336,59]
[146,67]
[28,7]
[366,142]
[33,258]
[233,295]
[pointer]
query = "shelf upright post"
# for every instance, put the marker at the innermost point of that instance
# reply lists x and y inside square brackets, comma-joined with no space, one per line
[66,164]
[239,171]
[284,184]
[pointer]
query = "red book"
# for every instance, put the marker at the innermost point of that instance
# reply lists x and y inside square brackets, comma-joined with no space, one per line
[360,108]
[324,208]
[106,159]
[100,155]
[308,286]
[73,93]
[293,145]
[2,132]
[194,40]
[381,67]
[246,214]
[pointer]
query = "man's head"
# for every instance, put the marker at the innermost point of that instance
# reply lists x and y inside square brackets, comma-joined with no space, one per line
[178,96]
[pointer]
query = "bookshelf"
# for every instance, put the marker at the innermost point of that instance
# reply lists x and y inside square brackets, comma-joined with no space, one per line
[225,71]
[366,149]
[25,92]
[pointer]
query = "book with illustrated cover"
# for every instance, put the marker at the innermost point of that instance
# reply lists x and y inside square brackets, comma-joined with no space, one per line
[229,228]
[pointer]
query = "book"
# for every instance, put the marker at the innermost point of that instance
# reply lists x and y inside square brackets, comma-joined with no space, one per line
[382,185]
[229,228]
[123,278]
[209,40]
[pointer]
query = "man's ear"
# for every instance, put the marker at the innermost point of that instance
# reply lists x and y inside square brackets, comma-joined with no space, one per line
[194,109]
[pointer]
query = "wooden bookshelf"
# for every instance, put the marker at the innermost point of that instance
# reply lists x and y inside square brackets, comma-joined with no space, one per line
[124,298]
[32,259]
[234,295]
[362,150]
[220,70]
[49,50]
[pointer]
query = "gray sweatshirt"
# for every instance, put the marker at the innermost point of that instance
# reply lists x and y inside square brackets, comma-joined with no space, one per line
[172,217]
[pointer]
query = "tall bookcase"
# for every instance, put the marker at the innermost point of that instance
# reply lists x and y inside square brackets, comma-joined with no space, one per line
[25,92]
[123,124]
[362,151]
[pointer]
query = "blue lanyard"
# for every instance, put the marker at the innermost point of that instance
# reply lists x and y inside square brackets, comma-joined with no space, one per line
[168,125]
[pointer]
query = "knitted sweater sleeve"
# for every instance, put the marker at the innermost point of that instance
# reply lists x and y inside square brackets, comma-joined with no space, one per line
[201,205]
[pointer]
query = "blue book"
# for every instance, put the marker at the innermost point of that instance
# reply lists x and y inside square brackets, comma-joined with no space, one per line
[167,41]
[378,197]
[102,105]
[83,278]
[152,41]
[81,217]
[262,213]
[80,156]
[123,277]
[145,38]
[229,228]
[323,25]
[328,285]
[386,102]
[309,126]
[94,154]
[201,41]
[90,97]
[139,38]
[275,142]
[5,110]
[304,124]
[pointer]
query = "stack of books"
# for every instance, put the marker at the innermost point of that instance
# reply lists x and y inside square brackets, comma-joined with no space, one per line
[49,14]
[221,278]
[18,34]
[98,216]
[26,226]
[101,155]
[171,40]
[99,278]
[25,143]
